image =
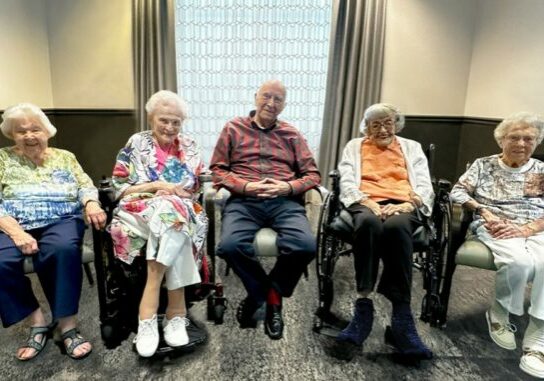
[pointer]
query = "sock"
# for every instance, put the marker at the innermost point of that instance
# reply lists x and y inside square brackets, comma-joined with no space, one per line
[499,314]
[273,297]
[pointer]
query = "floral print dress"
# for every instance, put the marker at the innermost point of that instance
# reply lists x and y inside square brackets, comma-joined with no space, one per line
[145,216]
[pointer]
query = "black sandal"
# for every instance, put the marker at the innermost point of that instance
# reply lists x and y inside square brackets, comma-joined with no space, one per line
[75,341]
[32,343]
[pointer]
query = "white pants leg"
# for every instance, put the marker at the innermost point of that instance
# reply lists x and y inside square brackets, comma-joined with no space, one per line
[175,251]
[535,245]
[519,261]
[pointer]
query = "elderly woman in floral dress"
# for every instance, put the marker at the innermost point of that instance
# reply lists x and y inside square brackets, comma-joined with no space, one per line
[156,179]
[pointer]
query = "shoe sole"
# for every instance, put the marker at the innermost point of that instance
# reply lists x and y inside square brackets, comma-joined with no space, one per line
[533,372]
[488,320]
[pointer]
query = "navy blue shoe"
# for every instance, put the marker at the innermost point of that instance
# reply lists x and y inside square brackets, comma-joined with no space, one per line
[360,326]
[403,336]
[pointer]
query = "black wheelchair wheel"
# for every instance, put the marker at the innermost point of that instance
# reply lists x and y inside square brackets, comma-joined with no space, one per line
[327,254]
[434,307]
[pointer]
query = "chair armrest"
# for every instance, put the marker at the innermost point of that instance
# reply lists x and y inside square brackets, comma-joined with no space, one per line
[313,200]
[460,220]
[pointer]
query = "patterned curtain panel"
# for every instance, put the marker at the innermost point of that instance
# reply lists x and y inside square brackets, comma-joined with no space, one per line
[226,48]
[154,51]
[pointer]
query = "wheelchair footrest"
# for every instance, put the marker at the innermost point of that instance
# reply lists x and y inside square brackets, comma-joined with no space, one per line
[328,324]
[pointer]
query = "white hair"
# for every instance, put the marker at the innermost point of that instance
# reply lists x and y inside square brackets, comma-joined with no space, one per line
[166,97]
[531,119]
[21,110]
[380,111]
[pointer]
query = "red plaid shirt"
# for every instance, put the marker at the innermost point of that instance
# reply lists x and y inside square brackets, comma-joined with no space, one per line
[245,153]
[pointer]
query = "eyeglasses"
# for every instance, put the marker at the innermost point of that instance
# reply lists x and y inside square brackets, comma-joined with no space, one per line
[516,138]
[277,100]
[376,125]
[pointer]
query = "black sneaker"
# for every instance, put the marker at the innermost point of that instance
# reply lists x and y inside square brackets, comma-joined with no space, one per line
[273,324]
[245,313]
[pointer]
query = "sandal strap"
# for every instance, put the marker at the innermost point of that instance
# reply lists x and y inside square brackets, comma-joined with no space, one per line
[76,339]
[31,342]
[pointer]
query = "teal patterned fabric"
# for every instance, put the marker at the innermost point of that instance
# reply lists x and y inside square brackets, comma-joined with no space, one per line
[39,195]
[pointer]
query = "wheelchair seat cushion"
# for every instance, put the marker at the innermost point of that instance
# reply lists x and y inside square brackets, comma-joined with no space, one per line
[475,254]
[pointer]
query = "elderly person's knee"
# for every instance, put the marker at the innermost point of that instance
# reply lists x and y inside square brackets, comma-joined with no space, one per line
[367,223]
[521,264]
[230,248]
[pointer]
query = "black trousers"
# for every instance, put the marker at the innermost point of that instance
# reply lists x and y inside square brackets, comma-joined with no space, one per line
[390,240]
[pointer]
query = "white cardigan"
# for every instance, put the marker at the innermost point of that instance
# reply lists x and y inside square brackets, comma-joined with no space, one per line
[416,164]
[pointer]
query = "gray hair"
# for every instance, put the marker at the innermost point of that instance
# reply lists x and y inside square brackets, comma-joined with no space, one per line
[166,97]
[531,119]
[273,82]
[22,110]
[380,111]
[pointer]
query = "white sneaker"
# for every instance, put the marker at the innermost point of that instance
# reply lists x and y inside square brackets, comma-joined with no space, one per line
[147,339]
[502,333]
[175,331]
[532,362]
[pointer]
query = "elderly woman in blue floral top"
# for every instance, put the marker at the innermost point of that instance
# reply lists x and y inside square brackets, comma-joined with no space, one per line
[156,177]
[43,193]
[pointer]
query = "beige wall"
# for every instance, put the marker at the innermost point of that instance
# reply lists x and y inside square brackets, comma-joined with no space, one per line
[24,63]
[66,53]
[90,49]
[507,71]
[428,49]
[479,58]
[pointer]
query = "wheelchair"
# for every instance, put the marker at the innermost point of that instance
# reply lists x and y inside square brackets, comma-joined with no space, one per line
[431,242]
[120,286]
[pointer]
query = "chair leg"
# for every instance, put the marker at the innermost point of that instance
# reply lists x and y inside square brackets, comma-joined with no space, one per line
[88,273]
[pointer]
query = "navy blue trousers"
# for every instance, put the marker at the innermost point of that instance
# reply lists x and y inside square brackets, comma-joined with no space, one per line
[242,218]
[389,240]
[57,264]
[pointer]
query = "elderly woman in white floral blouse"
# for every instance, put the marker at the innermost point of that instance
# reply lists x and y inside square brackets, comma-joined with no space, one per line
[506,192]
[156,179]
[43,194]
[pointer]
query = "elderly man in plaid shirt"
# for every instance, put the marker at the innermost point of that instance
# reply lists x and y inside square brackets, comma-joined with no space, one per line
[267,166]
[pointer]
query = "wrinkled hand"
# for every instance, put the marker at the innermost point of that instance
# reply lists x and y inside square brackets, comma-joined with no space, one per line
[389,210]
[489,217]
[416,199]
[373,206]
[25,242]
[95,215]
[504,229]
[267,188]
[173,189]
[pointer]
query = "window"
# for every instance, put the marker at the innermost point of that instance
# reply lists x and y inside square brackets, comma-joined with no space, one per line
[226,48]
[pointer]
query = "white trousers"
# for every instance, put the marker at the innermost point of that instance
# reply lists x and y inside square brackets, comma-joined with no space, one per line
[519,261]
[174,250]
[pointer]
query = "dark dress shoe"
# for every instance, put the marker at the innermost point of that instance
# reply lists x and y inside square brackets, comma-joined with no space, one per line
[273,324]
[245,313]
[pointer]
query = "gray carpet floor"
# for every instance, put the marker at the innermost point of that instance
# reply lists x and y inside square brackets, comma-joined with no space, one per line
[463,350]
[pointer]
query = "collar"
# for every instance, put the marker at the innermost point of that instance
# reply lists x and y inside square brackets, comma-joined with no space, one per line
[256,126]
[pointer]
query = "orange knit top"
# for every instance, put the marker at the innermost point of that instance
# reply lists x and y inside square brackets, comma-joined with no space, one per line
[383,172]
